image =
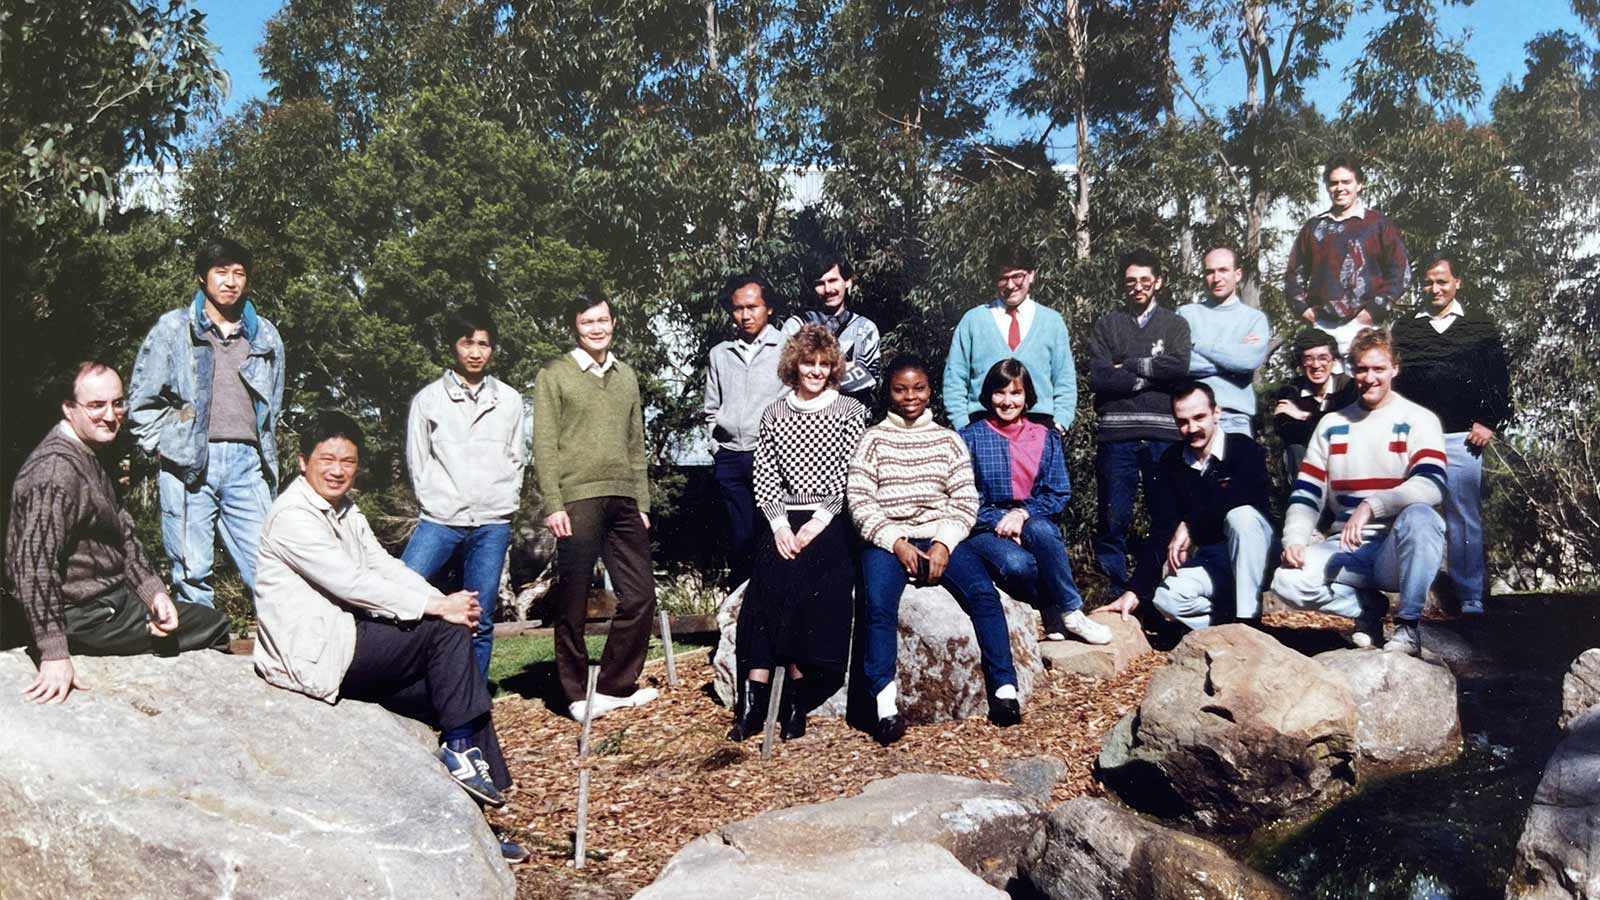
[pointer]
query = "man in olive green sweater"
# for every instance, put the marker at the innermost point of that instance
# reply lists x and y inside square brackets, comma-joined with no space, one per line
[588,447]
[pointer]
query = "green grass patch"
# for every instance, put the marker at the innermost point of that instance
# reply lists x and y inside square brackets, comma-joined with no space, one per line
[514,655]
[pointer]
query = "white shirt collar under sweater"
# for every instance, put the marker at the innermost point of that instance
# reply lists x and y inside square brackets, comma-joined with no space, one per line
[820,401]
[1357,210]
[1002,317]
[1445,319]
[1214,450]
[586,362]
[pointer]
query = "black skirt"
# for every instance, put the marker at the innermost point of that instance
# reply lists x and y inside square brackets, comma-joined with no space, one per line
[798,610]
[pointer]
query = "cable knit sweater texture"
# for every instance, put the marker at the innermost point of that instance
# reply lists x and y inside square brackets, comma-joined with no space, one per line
[912,480]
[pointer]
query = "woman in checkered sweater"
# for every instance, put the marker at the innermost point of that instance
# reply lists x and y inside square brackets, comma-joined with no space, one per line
[1021,472]
[796,609]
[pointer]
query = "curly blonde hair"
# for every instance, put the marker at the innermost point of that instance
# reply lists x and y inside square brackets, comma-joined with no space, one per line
[810,342]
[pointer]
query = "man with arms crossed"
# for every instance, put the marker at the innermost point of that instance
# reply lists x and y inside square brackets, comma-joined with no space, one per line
[1379,463]
[589,450]
[73,559]
[1229,341]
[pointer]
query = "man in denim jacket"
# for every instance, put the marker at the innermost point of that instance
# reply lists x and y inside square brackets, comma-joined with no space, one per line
[205,398]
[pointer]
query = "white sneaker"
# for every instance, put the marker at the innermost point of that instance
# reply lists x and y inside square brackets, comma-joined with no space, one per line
[1087,629]
[575,709]
[604,703]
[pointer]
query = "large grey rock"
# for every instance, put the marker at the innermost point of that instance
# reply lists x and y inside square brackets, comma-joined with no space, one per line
[1559,853]
[905,836]
[1580,690]
[1405,708]
[1036,776]
[1101,662]
[190,777]
[940,674]
[1093,848]
[1236,731]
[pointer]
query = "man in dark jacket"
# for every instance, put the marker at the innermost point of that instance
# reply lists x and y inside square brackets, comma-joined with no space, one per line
[1298,405]
[1456,367]
[1136,353]
[1214,517]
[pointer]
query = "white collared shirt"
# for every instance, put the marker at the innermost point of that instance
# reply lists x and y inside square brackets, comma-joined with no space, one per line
[1356,211]
[586,362]
[1002,317]
[1144,318]
[1445,319]
[1214,450]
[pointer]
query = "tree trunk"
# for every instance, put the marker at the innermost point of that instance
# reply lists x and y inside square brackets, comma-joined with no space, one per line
[1078,39]
[712,62]
[1254,44]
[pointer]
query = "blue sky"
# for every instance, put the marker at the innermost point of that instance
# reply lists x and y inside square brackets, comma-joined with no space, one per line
[1496,31]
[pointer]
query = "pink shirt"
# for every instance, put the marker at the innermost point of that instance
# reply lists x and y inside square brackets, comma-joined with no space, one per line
[1025,439]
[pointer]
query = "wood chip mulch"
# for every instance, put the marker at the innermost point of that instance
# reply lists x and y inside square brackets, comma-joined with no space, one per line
[664,774]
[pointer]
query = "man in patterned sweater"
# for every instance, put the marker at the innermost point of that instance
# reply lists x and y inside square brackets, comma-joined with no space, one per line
[1348,265]
[1380,464]
[72,557]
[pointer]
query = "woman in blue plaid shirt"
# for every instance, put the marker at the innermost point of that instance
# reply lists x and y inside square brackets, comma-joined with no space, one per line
[1021,472]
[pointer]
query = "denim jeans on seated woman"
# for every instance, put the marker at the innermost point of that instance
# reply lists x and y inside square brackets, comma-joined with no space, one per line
[967,580]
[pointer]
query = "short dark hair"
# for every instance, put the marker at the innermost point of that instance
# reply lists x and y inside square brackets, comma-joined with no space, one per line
[1238,261]
[582,302]
[819,262]
[1343,161]
[64,385]
[1003,373]
[1141,256]
[733,283]
[1008,255]
[1312,338]
[221,252]
[467,321]
[1446,257]
[325,425]
[903,362]
[1188,387]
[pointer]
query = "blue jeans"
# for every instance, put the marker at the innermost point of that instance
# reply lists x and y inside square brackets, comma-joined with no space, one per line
[1463,517]
[734,472]
[884,579]
[481,552]
[232,501]
[1119,467]
[1345,582]
[1038,565]
[1221,581]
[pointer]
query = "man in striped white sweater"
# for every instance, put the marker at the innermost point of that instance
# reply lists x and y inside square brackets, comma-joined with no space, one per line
[1380,464]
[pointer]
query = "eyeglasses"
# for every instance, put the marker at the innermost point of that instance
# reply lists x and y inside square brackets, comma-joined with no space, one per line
[1139,282]
[96,407]
[1011,278]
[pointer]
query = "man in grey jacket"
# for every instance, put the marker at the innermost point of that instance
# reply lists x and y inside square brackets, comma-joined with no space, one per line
[337,616]
[468,439]
[205,398]
[741,382]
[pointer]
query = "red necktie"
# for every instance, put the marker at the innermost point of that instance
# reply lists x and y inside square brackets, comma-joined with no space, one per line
[1014,337]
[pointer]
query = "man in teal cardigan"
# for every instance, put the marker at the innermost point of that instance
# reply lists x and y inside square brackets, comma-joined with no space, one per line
[1012,325]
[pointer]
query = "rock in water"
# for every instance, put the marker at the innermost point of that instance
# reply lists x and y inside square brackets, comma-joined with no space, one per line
[1555,857]
[1405,709]
[191,777]
[907,836]
[1101,662]
[1092,848]
[1581,688]
[940,675]
[1236,731]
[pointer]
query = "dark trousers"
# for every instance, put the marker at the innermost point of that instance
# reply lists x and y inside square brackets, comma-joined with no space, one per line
[606,528]
[1119,468]
[734,471]
[115,625]
[425,671]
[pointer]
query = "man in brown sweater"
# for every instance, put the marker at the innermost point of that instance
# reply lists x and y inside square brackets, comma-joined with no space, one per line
[72,558]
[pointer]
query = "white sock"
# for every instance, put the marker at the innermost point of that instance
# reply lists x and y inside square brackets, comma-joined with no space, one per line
[1005,692]
[886,704]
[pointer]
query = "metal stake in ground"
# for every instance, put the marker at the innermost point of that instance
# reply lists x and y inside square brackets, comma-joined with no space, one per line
[583,769]
[778,673]
[666,644]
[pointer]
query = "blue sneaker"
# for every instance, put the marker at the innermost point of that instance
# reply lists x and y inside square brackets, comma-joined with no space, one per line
[470,771]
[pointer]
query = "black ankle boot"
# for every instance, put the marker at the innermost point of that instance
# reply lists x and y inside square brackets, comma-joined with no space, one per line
[750,710]
[792,708]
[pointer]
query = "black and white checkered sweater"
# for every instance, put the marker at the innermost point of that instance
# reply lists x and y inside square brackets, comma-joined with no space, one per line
[803,457]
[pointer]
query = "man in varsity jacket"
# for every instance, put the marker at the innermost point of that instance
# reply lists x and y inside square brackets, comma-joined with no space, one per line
[1379,463]
[831,280]
[1456,367]
[1137,352]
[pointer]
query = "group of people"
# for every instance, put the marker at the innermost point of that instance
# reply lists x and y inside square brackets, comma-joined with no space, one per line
[824,507]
